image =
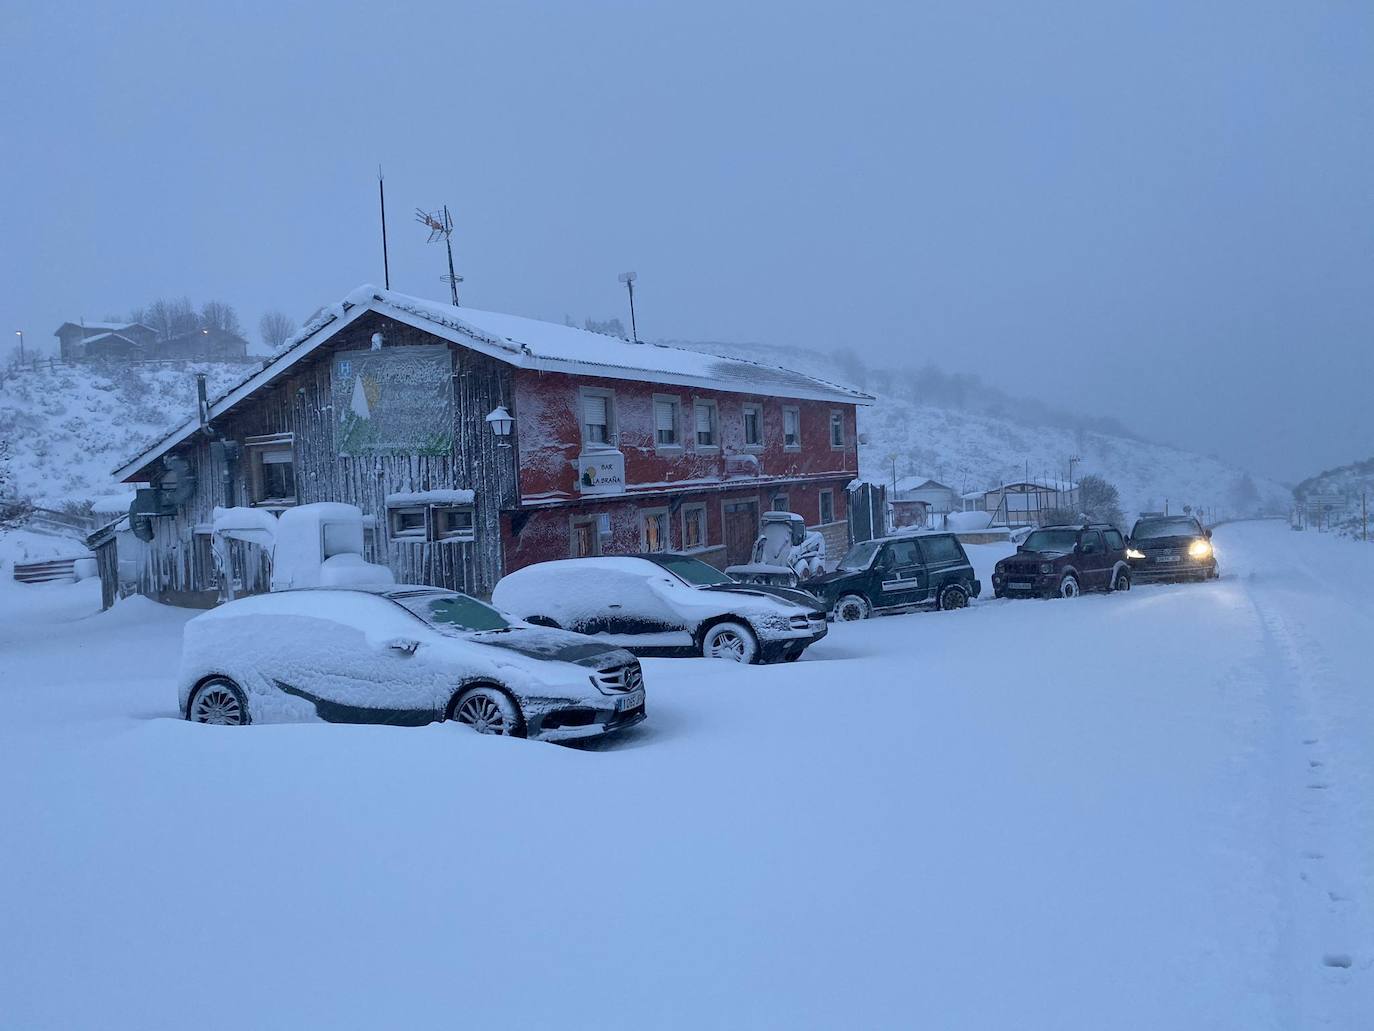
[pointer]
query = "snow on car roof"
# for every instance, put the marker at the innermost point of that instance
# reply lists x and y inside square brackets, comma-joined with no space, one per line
[525,343]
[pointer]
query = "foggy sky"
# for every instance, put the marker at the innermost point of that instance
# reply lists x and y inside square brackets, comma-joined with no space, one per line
[1161,211]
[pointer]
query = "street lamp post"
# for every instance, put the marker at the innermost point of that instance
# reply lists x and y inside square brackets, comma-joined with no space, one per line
[20,334]
[1073,492]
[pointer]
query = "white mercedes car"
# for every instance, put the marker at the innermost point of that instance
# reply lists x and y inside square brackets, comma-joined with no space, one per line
[401,655]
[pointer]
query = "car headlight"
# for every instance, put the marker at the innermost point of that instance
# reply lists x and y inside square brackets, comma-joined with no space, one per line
[1134,553]
[1045,567]
[1200,549]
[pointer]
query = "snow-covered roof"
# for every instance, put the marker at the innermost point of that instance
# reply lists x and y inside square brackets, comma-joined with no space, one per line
[102,327]
[523,343]
[109,336]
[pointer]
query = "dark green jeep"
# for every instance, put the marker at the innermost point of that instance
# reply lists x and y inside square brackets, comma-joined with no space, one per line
[893,574]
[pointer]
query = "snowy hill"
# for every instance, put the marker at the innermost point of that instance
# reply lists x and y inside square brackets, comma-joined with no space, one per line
[981,443]
[1338,494]
[69,425]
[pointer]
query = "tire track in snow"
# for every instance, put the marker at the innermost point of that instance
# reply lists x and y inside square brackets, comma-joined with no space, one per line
[1317,853]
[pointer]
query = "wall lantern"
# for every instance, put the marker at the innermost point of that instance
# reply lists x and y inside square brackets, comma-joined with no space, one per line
[501,423]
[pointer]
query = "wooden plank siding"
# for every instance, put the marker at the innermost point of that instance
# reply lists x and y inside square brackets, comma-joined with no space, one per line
[301,404]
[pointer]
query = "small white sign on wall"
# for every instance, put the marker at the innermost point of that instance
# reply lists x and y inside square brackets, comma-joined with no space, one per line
[601,473]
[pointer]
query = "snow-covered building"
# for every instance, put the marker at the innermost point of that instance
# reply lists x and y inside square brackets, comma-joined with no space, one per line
[921,501]
[120,340]
[477,442]
[1025,502]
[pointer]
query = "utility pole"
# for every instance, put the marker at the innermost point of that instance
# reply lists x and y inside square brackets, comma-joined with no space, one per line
[628,278]
[1364,515]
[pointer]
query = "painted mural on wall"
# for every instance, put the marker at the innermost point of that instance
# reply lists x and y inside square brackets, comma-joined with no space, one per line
[393,401]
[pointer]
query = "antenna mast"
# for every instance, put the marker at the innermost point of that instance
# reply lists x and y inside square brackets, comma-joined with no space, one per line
[381,195]
[440,226]
[628,278]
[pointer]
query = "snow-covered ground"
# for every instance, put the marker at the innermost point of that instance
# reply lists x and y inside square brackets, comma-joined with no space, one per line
[1146,811]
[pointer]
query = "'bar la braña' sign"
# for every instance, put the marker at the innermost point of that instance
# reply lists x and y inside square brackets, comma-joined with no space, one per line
[396,401]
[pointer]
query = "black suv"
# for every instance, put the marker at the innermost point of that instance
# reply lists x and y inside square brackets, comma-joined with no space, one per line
[1171,548]
[894,573]
[1063,562]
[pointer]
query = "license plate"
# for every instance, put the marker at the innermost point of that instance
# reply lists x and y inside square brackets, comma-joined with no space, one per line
[630,701]
[1166,558]
[1019,585]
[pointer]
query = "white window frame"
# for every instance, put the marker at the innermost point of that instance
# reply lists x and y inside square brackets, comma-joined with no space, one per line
[837,413]
[786,503]
[676,402]
[259,448]
[795,410]
[757,409]
[695,509]
[612,440]
[645,514]
[714,408]
[439,515]
[829,492]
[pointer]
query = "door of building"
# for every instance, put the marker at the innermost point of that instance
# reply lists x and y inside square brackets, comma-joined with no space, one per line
[741,531]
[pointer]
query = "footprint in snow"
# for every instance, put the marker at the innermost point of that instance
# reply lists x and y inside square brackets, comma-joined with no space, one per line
[1336,959]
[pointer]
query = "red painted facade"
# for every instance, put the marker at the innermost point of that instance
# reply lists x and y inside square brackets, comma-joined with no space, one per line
[724,479]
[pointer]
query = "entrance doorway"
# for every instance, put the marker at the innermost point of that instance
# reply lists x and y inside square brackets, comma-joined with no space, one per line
[741,531]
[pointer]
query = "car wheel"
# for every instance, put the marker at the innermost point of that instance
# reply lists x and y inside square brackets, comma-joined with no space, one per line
[733,641]
[953,597]
[218,701]
[850,608]
[1068,587]
[1121,580]
[488,710]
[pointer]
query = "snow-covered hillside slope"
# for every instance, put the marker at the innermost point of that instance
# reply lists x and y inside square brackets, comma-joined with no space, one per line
[973,450]
[1345,493]
[70,425]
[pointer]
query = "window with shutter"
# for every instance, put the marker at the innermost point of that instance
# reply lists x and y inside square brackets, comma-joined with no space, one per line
[598,418]
[665,422]
[791,428]
[706,423]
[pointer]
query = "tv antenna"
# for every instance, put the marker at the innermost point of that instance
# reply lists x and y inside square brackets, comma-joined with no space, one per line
[440,226]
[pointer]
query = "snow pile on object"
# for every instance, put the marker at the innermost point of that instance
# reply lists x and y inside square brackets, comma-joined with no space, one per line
[310,536]
[254,525]
[969,520]
[430,497]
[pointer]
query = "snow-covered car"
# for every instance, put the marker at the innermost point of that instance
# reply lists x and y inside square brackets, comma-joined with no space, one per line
[664,604]
[402,655]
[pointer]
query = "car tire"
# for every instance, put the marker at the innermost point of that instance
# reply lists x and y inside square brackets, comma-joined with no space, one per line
[488,710]
[1068,587]
[730,640]
[1121,580]
[218,701]
[953,597]
[851,608]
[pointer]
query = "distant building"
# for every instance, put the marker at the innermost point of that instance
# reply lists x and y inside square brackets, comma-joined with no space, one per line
[920,501]
[133,341]
[1025,502]
[78,341]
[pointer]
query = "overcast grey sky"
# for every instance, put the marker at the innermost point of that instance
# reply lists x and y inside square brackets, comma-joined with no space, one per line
[1163,211]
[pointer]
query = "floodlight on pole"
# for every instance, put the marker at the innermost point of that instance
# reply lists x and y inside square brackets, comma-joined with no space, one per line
[628,278]
[440,226]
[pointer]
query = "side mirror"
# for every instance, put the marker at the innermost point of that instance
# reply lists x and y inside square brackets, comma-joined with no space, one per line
[1207,534]
[403,644]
